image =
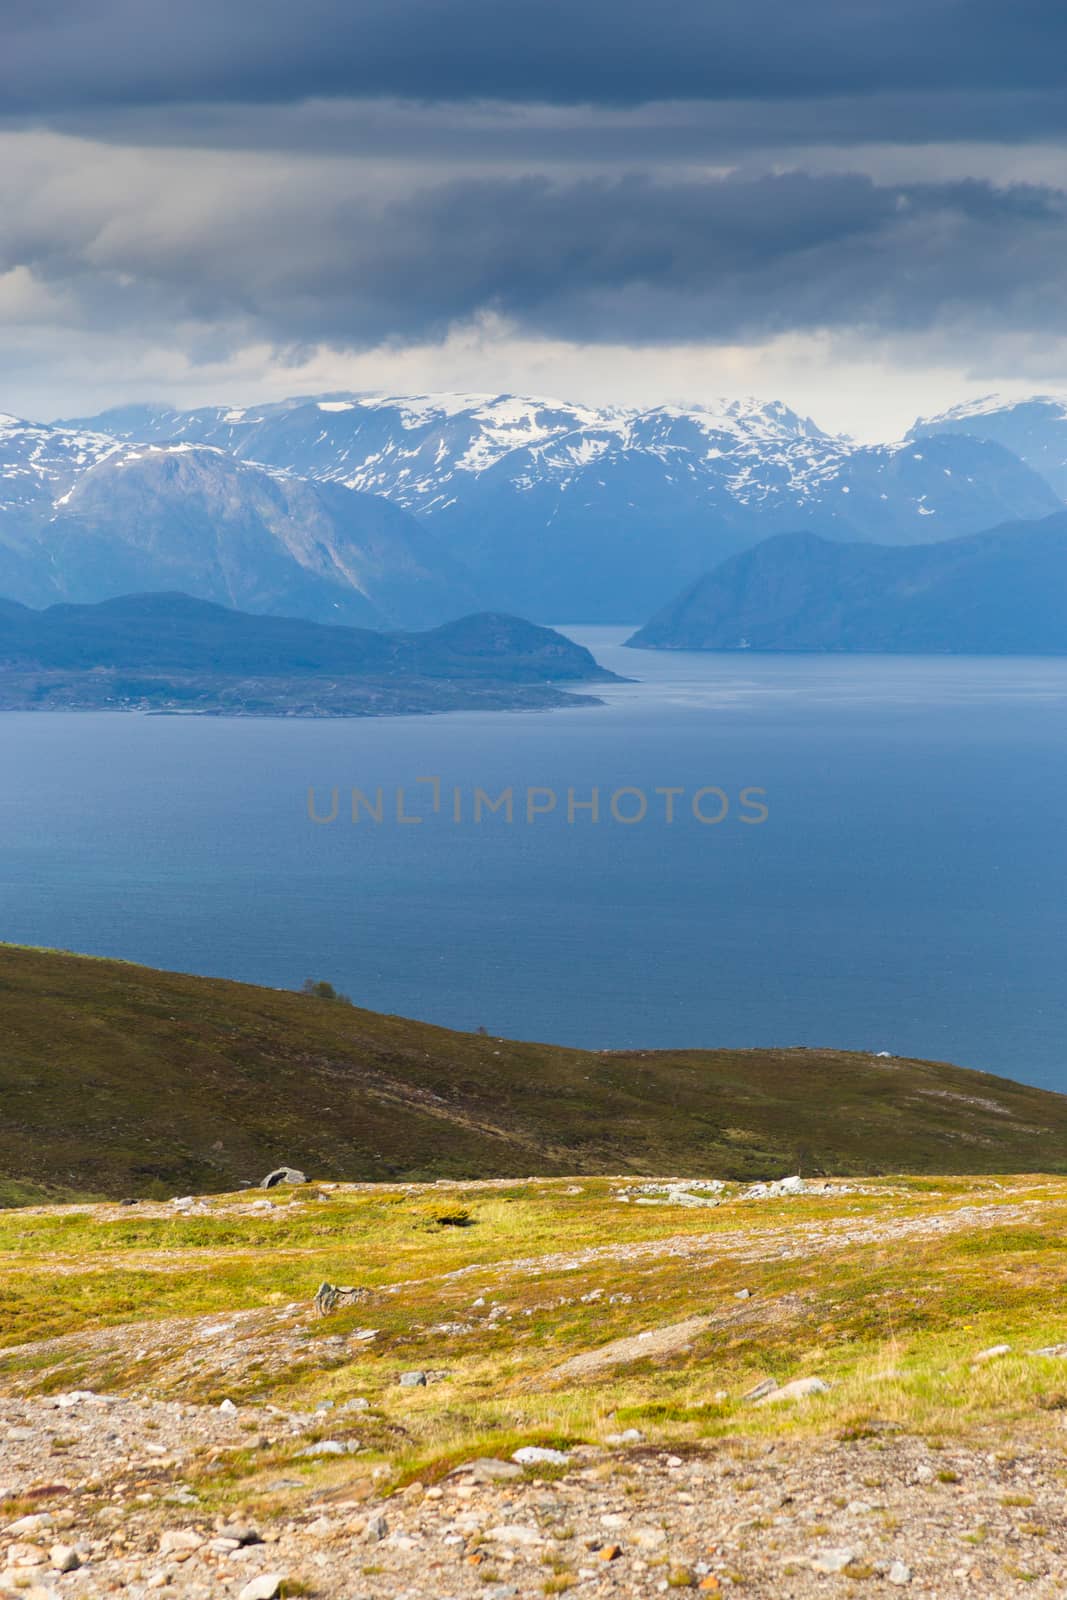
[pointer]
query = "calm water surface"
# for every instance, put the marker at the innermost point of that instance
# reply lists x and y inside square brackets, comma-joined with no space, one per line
[906,892]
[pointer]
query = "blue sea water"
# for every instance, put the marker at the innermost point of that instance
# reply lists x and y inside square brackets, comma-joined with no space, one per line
[906,891]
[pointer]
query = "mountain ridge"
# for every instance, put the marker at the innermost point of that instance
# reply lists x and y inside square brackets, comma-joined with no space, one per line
[564,510]
[84,517]
[1034,429]
[1001,592]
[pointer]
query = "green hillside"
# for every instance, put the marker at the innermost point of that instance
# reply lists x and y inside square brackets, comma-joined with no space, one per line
[119,1080]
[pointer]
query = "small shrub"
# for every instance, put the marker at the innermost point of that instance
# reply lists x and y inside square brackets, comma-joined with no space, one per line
[435,1215]
[321,990]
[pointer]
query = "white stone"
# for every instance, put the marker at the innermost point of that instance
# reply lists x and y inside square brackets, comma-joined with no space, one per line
[994,1353]
[265,1587]
[531,1454]
[830,1561]
[175,1539]
[30,1525]
[799,1389]
[514,1533]
[649,1538]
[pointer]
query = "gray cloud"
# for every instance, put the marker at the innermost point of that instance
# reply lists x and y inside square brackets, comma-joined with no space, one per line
[494,134]
[298,253]
[62,54]
[352,175]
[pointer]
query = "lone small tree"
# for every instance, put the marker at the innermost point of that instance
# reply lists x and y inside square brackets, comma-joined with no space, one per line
[319,989]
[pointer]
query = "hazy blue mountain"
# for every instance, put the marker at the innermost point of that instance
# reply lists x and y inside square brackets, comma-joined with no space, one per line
[567,511]
[997,593]
[172,652]
[84,517]
[158,631]
[1035,429]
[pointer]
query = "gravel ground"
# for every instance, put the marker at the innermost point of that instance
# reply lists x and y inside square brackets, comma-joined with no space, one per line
[97,1484]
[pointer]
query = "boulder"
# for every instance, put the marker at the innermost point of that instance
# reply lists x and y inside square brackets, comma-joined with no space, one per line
[330,1297]
[799,1389]
[487,1469]
[265,1587]
[283,1175]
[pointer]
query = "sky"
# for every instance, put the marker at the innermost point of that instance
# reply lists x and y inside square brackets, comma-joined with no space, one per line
[856,206]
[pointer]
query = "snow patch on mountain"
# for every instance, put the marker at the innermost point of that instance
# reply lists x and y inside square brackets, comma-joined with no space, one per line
[39,463]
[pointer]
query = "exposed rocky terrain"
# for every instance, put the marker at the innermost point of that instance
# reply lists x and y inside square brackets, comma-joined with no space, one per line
[616,1387]
[773,1518]
[84,517]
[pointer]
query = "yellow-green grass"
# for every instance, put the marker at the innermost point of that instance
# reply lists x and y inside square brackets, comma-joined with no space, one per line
[120,1080]
[886,1294]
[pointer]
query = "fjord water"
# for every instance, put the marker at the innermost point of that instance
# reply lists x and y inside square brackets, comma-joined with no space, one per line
[906,892]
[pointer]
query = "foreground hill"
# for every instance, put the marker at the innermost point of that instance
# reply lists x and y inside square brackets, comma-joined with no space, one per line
[120,1080]
[171,652]
[997,593]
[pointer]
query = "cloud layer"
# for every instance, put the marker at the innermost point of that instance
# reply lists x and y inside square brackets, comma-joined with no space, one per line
[303,252]
[383,174]
[63,53]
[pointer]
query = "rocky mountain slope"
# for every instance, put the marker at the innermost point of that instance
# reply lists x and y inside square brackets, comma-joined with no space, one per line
[124,1081]
[568,512]
[1034,429]
[84,517]
[998,593]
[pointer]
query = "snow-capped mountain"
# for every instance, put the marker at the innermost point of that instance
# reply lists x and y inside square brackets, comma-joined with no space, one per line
[1034,429]
[421,448]
[564,511]
[38,466]
[38,463]
[85,517]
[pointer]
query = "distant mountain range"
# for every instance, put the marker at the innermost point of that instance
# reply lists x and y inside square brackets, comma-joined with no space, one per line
[388,512]
[562,511]
[997,593]
[172,652]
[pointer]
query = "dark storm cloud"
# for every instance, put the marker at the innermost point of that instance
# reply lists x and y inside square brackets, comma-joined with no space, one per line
[497,134]
[613,260]
[59,55]
[353,172]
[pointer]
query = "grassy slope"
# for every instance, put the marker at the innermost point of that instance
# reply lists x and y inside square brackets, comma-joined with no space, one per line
[886,1291]
[117,1079]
